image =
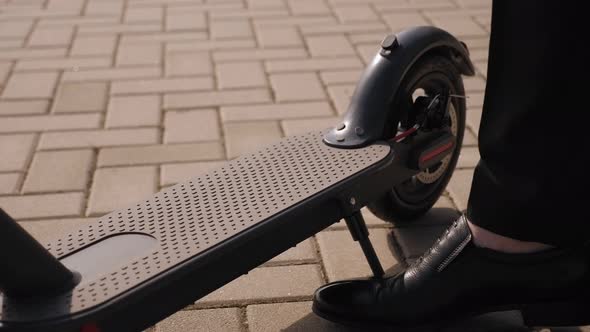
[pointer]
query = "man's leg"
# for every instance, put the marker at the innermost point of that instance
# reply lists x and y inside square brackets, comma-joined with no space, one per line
[532,181]
[527,188]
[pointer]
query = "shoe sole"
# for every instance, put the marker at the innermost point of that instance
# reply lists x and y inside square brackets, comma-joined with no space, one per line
[549,314]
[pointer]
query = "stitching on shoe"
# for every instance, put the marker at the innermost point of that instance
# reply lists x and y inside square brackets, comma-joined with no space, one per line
[454,254]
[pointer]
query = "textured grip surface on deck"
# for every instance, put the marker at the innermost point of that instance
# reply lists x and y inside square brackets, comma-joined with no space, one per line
[190,217]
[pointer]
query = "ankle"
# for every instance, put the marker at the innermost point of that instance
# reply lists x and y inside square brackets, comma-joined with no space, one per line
[486,239]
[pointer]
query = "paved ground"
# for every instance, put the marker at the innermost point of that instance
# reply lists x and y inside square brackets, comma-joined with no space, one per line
[103,102]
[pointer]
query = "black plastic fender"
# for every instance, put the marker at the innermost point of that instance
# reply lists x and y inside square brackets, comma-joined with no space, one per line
[365,118]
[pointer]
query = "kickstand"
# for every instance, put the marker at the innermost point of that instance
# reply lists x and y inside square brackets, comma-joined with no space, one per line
[358,229]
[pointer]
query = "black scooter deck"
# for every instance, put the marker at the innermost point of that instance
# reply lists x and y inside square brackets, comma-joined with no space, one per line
[141,264]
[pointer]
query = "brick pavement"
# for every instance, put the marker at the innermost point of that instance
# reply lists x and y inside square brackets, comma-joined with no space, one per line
[103,102]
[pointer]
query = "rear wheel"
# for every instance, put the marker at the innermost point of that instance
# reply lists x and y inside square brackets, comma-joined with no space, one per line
[430,76]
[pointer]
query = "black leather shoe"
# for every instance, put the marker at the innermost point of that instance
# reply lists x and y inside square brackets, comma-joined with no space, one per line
[456,280]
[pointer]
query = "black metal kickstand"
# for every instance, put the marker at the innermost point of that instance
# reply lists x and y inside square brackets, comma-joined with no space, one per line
[358,229]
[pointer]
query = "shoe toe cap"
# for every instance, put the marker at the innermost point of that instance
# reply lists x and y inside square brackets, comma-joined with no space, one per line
[350,297]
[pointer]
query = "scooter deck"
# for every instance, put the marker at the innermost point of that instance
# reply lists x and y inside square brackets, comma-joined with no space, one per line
[139,265]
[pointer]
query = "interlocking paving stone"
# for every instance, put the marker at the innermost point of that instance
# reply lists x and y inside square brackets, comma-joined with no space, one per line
[23,107]
[340,95]
[162,85]
[460,186]
[156,154]
[59,171]
[43,206]
[297,87]
[9,182]
[260,54]
[98,138]
[65,64]
[362,12]
[206,320]
[174,173]
[184,64]
[324,46]
[47,230]
[133,111]
[30,85]
[301,126]
[277,66]
[468,158]
[240,75]
[278,36]
[51,36]
[81,97]
[139,54]
[190,126]
[293,316]
[106,74]
[15,28]
[344,259]
[226,29]
[19,149]
[268,283]
[216,98]
[275,111]
[49,122]
[304,252]
[115,188]
[244,137]
[340,76]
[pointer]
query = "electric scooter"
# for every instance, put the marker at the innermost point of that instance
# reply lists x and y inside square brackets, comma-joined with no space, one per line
[394,151]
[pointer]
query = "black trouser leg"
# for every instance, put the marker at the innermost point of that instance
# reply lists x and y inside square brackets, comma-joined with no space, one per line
[532,181]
